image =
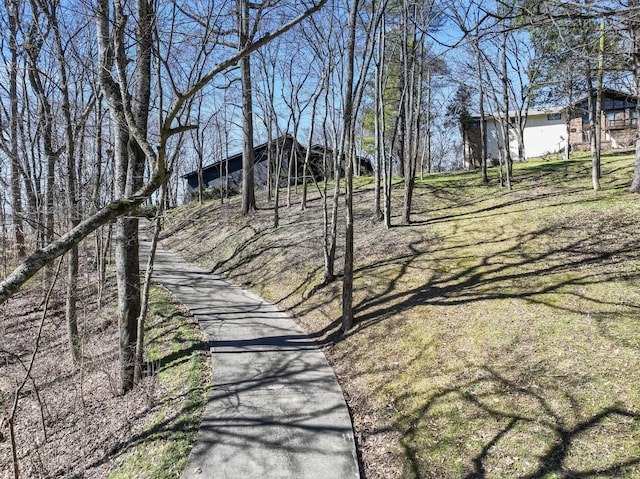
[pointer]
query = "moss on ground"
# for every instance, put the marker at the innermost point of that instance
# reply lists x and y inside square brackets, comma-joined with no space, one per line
[178,358]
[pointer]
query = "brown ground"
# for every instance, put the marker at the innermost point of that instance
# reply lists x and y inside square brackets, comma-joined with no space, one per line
[70,421]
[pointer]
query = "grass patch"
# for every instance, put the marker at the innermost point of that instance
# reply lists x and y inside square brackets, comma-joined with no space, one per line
[178,353]
[496,336]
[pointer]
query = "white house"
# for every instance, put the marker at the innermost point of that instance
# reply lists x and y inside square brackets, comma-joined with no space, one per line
[545,132]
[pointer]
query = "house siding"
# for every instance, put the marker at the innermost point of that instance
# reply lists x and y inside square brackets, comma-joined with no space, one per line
[545,135]
[542,136]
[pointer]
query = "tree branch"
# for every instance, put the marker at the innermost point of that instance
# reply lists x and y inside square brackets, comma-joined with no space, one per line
[41,257]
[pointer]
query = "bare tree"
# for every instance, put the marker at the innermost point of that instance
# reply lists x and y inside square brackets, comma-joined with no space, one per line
[12,10]
[348,149]
[245,37]
[129,108]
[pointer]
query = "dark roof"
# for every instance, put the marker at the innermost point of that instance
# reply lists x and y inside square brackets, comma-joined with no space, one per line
[608,93]
[237,156]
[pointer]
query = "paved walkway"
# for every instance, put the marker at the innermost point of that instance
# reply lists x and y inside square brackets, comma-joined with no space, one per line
[275,408]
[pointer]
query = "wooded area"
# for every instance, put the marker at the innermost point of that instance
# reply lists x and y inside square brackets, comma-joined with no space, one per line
[105,104]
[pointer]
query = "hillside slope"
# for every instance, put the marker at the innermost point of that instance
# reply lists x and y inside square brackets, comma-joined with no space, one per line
[496,336]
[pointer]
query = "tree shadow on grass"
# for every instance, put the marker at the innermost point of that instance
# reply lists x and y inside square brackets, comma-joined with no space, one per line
[511,272]
[532,437]
[178,425]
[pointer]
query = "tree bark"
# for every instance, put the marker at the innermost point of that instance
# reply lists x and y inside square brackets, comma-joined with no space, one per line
[14,162]
[348,133]
[379,129]
[244,40]
[634,29]
[506,121]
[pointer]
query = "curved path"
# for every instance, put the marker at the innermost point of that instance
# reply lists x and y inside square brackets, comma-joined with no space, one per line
[275,408]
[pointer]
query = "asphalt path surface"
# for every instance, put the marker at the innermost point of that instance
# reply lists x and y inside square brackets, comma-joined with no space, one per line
[275,408]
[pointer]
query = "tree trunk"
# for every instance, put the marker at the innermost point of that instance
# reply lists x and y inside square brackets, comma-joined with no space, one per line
[280,152]
[248,187]
[634,29]
[348,133]
[483,126]
[14,162]
[379,123]
[270,161]
[144,303]
[428,120]
[567,146]
[596,164]
[505,123]
[407,134]
[290,165]
[330,225]
[593,132]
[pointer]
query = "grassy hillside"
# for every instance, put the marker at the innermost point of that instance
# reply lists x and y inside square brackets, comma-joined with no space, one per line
[497,336]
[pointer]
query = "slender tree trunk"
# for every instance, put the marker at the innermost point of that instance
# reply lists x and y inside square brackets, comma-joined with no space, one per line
[14,162]
[634,29]
[280,152]
[270,161]
[290,165]
[330,224]
[428,120]
[248,187]
[348,133]
[506,121]
[483,125]
[144,304]
[596,166]
[385,161]
[593,131]
[201,176]
[567,121]
[378,123]
[407,138]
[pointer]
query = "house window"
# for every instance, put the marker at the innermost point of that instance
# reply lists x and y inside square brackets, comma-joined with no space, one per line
[554,116]
[621,118]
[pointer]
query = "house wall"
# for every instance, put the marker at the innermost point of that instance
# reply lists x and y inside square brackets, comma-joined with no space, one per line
[542,136]
[611,136]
